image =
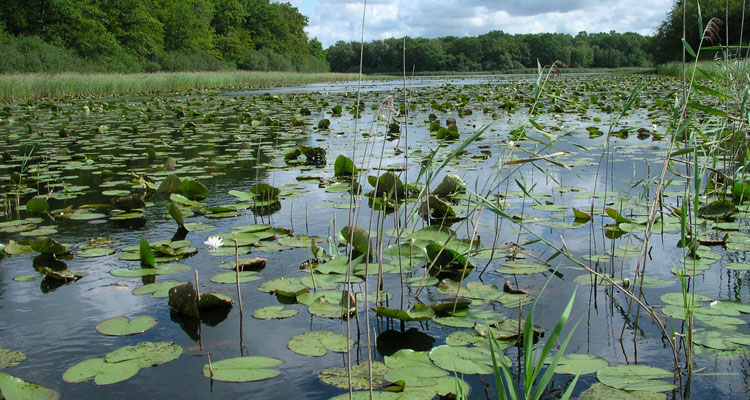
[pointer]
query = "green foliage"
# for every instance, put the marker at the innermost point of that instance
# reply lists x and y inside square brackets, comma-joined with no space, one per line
[494,51]
[155,35]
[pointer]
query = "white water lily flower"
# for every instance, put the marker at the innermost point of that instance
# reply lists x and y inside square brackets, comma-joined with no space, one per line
[214,242]
[714,303]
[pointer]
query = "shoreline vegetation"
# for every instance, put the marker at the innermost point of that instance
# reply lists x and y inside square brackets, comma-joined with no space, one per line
[15,87]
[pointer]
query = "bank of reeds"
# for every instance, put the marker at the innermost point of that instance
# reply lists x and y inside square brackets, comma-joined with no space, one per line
[740,68]
[37,86]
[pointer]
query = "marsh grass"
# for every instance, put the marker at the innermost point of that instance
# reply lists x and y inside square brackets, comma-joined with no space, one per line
[14,87]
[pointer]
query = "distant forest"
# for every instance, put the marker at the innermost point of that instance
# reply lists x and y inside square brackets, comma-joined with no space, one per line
[206,35]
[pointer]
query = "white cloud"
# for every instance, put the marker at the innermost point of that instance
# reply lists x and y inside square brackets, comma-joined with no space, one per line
[334,20]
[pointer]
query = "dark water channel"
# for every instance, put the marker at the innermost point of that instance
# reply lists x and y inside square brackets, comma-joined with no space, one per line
[212,139]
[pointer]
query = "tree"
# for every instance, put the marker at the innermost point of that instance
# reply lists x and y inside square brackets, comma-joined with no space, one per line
[668,38]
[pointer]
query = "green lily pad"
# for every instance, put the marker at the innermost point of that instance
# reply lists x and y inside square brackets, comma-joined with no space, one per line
[161,269]
[522,268]
[10,358]
[303,241]
[339,377]
[274,312]
[13,388]
[37,205]
[316,343]
[288,287]
[579,364]
[242,369]
[464,360]
[148,354]
[635,377]
[122,326]
[159,289]
[95,252]
[599,391]
[103,372]
[420,312]
[47,245]
[87,216]
[27,278]
[15,249]
[231,277]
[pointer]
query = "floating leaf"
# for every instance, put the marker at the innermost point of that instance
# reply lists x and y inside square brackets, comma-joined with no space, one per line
[464,360]
[344,166]
[360,376]
[122,326]
[193,190]
[242,369]
[635,377]
[104,373]
[289,287]
[47,245]
[13,388]
[147,354]
[10,358]
[316,343]
[719,209]
[274,312]
[578,364]
[37,205]
[159,289]
[599,391]
[420,312]
[231,277]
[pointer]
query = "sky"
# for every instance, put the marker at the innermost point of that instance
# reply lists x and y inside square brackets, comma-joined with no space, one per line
[334,20]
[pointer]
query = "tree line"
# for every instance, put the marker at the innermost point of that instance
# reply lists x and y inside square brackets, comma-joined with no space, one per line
[494,51]
[155,35]
[200,35]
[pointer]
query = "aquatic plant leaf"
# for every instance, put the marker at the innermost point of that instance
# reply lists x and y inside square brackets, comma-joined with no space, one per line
[242,369]
[146,255]
[161,269]
[10,358]
[128,203]
[265,192]
[193,190]
[275,312]
[170,184]
[466,318]
[159,289]
[104,373]
[316,343]
[522,267]
[599,391]
[184,299]
[374,395]
[339,377]
[450,185]
[37,205]
[721,339]
[180,199]
[635,377]
[413,367]
[47,245]
[360,238]
[96,252]
[464,360]
[578,364]
[302,241]
[14,248]
[147,354]
[13,388]
[123,326]
[288,287]
[176,214]
[231,277]
[619,219]
[419,312]
[344,167]
[580,215]
[719,209]
[388,185]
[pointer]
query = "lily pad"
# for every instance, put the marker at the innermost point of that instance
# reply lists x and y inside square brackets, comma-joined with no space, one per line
[275,312]
[288,287]
[599,391]
[10,358]
[147,354]
[316,343]
[231,277]
[420,312]
[579,364]
[159,289]
[635,377]
[122,326]
[464,360]
[13,388]
[242,369]
[339,377]
[103,372]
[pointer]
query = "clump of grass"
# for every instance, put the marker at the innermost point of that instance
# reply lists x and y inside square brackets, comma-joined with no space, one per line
[36,86]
